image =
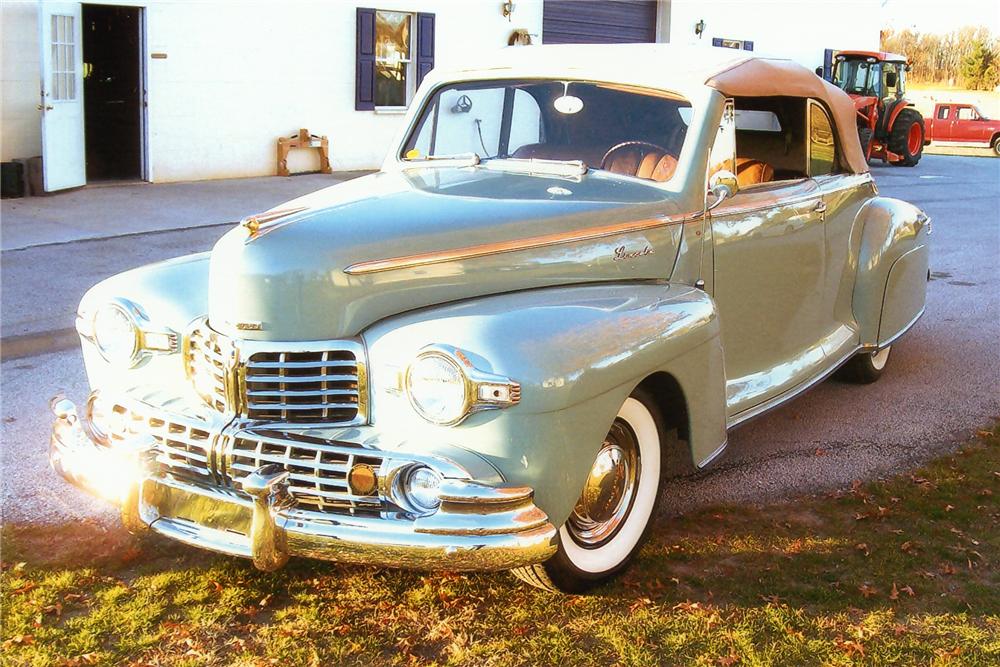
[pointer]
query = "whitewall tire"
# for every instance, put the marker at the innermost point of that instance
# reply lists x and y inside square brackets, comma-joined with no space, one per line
[867,367]
[612,517]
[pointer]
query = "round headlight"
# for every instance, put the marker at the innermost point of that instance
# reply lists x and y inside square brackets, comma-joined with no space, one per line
[422,487]
[116,334]
[438,389]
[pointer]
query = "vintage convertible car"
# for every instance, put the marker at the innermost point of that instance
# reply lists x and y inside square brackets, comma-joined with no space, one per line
[577,269]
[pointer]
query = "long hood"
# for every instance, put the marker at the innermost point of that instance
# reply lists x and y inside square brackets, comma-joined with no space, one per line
[358,252]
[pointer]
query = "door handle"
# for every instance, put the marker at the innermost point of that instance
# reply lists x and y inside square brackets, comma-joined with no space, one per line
[46,107]
[820,206]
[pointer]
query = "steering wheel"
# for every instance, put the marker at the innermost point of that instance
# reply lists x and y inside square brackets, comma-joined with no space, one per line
[630,144]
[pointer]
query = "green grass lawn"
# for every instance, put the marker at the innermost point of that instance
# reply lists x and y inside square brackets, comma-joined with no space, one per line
[896,572]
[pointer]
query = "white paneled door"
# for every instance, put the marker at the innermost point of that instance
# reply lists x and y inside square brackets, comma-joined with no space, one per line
[61,37]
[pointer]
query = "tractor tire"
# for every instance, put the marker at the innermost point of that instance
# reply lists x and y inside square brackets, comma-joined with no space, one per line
[865,137]
[906,138]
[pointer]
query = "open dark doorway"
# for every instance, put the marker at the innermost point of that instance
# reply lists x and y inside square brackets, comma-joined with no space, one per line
[112,92]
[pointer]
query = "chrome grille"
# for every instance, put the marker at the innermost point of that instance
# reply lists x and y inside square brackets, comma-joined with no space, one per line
[208,358]
[317,468]
[278,382]
[302,386]
[184,447]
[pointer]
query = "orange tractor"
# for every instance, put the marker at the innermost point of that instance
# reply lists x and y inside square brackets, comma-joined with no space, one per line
[888,125]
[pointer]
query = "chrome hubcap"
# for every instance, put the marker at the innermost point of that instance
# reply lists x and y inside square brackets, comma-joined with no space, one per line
[610,489]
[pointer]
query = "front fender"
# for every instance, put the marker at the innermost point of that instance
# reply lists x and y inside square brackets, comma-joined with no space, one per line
[891,284]
[577,352]
[172,293]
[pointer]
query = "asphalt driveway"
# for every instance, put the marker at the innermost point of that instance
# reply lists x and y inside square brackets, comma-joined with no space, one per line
[942,384]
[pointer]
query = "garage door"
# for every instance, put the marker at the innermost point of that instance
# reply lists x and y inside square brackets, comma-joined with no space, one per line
[598,22]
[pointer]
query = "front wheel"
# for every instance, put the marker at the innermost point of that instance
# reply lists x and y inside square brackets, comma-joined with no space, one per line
[867,367]
[996,146]
[612,517]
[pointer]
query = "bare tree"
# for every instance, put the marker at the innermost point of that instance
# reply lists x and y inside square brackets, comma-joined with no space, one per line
[969,56]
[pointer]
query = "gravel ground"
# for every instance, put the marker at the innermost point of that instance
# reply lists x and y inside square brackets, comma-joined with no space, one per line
[943,381]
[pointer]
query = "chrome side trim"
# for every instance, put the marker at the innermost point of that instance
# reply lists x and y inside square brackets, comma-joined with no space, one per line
[486,249]
[847,183]
[766,406]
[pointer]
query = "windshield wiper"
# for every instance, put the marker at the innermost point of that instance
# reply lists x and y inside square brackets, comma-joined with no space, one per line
[457,160]
[531,165]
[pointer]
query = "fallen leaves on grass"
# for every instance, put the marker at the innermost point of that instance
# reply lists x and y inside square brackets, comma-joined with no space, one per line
[19,640]
[867,590]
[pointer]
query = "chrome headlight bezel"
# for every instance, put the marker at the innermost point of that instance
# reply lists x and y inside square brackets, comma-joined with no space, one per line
[117,309]
[481,390]
[148,338]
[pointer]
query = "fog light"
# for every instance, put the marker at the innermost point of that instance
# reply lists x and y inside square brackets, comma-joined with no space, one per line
[421,488]
[97,419]
[362,480]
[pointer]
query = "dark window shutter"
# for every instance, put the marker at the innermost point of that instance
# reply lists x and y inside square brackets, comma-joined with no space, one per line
[425,45]
[747,45]
[716,41]
[364,86]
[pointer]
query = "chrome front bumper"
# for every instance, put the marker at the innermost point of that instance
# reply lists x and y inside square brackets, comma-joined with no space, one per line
[477,526]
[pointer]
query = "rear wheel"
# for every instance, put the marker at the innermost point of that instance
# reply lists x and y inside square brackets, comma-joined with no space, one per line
[612,517]
[996,146]
[906,138]
[867,367]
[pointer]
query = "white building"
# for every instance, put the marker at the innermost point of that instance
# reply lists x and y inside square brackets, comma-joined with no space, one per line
[167,90]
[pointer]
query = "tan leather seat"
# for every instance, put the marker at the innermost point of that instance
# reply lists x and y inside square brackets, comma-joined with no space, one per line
[642,161]
[750,171]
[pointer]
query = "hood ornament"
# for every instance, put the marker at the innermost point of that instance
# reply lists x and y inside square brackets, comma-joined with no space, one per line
[252,223]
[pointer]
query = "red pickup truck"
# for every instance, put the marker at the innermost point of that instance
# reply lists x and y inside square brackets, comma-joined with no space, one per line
[962,124]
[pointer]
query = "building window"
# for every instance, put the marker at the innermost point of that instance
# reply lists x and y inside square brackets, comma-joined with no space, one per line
[63,39]
[395,50]
[393,65]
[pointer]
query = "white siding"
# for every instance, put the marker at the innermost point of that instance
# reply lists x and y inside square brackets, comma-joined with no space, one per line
[237,76]
[799,30]
[19,81]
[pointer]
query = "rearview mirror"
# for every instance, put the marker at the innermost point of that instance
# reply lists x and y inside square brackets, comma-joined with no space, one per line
[723,184]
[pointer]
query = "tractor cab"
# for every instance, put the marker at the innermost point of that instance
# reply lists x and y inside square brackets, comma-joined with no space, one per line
[888,125]
[871,74]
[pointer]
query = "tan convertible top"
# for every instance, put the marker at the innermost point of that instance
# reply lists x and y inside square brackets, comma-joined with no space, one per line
[758,77]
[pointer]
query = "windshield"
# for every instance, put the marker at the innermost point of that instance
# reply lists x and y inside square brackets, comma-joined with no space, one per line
[856,76]
[604,126]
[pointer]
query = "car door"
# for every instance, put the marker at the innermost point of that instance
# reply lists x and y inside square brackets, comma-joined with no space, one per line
[843,195]
[769,273]
[943,119]
[966,126]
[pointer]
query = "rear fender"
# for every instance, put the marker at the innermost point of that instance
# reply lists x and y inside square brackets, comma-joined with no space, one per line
[577,352]
[891,283]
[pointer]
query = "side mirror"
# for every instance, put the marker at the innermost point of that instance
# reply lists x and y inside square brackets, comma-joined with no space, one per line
[890,79]
[723,185]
